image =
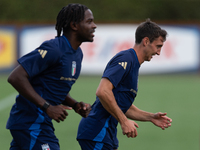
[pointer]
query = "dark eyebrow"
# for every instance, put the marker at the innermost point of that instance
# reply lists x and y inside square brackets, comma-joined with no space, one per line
[90,19]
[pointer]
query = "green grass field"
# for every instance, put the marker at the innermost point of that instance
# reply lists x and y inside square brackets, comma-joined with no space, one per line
[178,95]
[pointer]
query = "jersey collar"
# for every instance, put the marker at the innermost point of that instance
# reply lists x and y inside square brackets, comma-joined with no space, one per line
[67,42]
[135,55]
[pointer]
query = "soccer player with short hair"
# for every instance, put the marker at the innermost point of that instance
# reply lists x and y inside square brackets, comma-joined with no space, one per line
[117,91]
[44,78]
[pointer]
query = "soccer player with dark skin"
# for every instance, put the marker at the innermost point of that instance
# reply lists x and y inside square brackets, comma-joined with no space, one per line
[44,82]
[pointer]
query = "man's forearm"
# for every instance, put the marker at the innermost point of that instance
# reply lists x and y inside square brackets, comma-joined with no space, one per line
[107,99]
[69,101]
[19,80]
[135,113]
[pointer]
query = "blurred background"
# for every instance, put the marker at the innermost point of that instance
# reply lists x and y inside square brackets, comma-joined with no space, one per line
[24,25]
[170,82]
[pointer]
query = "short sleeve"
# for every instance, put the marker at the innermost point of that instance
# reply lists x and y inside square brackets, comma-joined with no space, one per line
[40,59]
[117,68]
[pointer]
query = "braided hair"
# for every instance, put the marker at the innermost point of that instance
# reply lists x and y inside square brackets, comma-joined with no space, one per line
[70,13]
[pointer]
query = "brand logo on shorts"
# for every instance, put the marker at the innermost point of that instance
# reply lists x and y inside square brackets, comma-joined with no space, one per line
[45,147]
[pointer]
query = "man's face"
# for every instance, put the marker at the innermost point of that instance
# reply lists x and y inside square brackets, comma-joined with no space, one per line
[86,28]
[153,48]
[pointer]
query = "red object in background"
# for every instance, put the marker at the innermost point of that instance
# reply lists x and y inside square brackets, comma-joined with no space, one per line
[2,45]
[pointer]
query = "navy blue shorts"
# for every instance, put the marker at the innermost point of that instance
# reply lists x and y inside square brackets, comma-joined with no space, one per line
[92,145]
[34,140]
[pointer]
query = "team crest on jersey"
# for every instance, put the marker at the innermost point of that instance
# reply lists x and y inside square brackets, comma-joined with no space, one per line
[73,68]
[45,147]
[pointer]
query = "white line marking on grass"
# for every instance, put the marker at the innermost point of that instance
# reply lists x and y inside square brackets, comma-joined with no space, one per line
[7,101]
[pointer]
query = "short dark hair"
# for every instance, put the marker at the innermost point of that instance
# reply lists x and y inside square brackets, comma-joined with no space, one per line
[71,13]
[149,29]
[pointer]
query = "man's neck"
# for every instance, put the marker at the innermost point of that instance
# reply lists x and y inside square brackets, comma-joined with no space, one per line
[73,40]
[139,53]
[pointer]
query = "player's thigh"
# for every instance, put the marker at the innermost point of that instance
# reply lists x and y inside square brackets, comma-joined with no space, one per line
[47,139]
[34,140]
[92,145]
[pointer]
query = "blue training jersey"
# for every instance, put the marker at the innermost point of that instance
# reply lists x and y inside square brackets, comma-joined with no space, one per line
[122,71]
[53,68]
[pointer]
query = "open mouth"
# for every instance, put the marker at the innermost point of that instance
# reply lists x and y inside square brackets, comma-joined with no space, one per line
[92,33]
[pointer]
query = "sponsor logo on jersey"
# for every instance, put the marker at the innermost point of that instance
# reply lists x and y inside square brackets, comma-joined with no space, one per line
[73,68]
[45,147]
[123,64]
[67,79]
[42,52]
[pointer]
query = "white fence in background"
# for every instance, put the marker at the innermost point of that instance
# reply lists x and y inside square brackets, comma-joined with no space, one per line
[179,53]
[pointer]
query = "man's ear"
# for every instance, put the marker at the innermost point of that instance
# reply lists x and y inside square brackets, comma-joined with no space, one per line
[73,25]
[145,41]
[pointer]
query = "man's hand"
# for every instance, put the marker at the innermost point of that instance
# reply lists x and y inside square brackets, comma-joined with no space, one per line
[58,113]
[129,128]
[82,109]
[161,120]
